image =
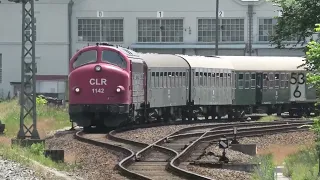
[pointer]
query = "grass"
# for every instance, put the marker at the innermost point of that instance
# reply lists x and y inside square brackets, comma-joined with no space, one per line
[268,118]
[302,165]
[48,120]
[266,169]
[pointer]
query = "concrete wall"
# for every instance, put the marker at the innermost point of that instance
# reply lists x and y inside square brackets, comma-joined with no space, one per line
[51,40]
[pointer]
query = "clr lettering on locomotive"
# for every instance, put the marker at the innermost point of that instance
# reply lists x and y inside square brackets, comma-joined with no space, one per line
[101,81]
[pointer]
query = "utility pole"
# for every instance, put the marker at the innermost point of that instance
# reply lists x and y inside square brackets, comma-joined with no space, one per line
[217,28]
[28,73]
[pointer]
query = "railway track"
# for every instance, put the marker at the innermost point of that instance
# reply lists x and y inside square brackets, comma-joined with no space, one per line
[168,157]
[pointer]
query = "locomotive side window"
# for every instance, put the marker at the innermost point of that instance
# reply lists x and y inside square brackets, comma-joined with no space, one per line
[247,81]
[253,80]
[240,81]
[277,81]
[114,58]
[85,58]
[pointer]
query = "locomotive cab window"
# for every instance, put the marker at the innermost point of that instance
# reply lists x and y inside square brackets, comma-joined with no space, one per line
[85,58]
[114,58]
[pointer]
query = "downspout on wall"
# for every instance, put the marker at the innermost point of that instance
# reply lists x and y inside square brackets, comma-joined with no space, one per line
[70,7]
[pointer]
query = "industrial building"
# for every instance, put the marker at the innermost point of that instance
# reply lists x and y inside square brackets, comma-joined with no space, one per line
[175,26]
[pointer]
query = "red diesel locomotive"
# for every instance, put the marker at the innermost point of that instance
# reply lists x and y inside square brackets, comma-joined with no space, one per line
[100,85]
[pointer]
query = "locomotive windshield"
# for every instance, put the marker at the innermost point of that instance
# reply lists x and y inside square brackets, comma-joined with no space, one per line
[114,58]
[85,58]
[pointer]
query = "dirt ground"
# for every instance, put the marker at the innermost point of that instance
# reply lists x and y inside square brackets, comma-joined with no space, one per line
[280,152]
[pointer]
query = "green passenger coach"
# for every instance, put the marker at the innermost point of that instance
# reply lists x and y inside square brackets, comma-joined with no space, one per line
[271,85]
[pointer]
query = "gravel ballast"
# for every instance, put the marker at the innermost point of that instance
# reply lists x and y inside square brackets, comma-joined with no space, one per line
[10,170]
[96,163]
[213,153]
[220,174]
[153,134]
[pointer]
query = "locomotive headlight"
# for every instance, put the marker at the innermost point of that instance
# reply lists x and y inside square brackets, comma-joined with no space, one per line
[77,89]
[98,68]
[120,89]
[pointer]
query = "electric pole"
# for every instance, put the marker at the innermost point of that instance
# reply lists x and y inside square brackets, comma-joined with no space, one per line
[28,72]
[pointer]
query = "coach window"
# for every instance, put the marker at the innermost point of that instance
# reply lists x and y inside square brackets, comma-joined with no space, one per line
[201,83]
[114,58]
[220,79]
[152,79]
[265,81]
[213,80]
[169,80]
[209,80]
[85,58]
[157,81]
[229,80]
[247,81]
[277,81]
[161,80]
[253,80]
[165,81]
[240,81]
[184,79]
[287,80]
[205,79]
[271,80]
[282,80]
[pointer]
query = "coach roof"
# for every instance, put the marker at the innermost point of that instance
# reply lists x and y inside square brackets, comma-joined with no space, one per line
[264,63]
[163,60]
[207,62]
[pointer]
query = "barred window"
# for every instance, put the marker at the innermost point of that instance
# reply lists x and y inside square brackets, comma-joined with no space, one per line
[156,30]
[95,30]
[230,30]
[28,30]
[266,29]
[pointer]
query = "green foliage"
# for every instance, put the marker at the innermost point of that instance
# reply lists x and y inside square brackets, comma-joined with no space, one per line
[302,165]
[37,149]
[266,169]
[268,118]
[298,20]
[41,101]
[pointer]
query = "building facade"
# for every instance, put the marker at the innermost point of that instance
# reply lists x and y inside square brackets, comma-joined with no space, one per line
[175,26]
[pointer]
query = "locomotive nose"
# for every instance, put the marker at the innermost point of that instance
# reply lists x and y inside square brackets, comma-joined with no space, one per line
[99,83]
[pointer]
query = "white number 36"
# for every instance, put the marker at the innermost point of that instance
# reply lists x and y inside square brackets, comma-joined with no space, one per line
[98,90]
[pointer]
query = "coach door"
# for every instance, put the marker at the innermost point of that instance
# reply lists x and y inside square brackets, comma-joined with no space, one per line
[259,87]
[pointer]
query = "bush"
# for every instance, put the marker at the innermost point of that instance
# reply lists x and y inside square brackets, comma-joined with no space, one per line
[302,165]
[265,170]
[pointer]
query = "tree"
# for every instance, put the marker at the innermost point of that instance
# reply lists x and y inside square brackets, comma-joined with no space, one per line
[297,21]
[312,61]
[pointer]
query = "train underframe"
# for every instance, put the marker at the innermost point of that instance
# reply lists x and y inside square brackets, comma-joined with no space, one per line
[113,116]
[294,109]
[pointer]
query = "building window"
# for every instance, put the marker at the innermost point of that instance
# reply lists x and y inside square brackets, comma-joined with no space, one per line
[28,30]
[164,30]
[266,29]
[230,30]
[95,30]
